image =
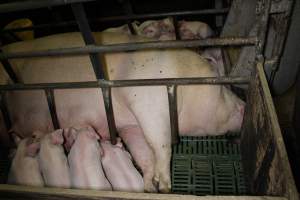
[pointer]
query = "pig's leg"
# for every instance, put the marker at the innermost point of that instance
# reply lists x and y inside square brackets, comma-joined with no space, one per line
[141,153]
[150,107]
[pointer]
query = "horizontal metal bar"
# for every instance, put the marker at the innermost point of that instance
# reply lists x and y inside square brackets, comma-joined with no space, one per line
[166,14]
[34,4]
[122,18]
[237,41]
[128,83]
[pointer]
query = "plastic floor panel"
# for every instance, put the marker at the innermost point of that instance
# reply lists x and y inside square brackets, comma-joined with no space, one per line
[207,166]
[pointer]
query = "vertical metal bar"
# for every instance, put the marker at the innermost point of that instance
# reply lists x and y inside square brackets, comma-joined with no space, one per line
[110,117]
[9,70]
[218,18]
[172,97]
[4,110]
[85,29]
[128,11]
[176,28]
[262,12]
[52,108]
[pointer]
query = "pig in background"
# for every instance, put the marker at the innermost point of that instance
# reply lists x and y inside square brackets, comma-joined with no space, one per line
[119,169]
[25,169]
[202,109]
[52,159]
[188,30]
[85,159]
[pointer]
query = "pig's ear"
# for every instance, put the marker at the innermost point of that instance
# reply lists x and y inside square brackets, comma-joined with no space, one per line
[57,137]
[32,149]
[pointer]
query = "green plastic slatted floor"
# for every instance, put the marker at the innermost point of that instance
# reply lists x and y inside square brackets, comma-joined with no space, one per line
[207,166]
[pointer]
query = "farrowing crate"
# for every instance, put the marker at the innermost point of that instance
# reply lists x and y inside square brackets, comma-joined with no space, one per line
[264,161]
[266,167]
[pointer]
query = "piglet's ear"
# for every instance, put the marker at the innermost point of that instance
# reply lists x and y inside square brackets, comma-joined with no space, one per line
[70,135]
[119,142]
[57,137]
[32,149]
[17,139]
[92,133]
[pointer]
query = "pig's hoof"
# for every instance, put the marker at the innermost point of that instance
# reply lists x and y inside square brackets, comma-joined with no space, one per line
[150,188]
[165,185]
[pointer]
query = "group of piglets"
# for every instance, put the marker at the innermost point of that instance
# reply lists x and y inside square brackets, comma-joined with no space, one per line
[40,160]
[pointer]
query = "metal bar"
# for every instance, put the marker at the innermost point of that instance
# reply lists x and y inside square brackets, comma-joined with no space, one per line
[218,18]
[167,14]
[128,11]
[128,83]
[124,18]
[176,28]
[172,98]
[4,110]
[262,9]
[238,41]
[85,29]
[9,70]
[109,114]
[283,32]
[52,108]
[34,4]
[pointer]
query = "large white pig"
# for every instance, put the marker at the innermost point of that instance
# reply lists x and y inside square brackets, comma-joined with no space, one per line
[85,160]
[25,169]
[53,161]
[202,109]
[119,169]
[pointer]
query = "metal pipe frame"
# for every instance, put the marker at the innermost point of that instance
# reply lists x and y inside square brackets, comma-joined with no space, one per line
[86,32]
[52,108]
[172,99]
[222,11]
[237,41]
[127,83]
[33,4]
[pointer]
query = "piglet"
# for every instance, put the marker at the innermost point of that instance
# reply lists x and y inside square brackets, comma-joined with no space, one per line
[53,161]
[85,159]
[25,169]
[119,169]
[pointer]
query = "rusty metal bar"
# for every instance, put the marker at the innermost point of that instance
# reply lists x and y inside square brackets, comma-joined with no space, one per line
[34,4]
[110,117]
[237,41]
[124,18]
[52,108]
[128,83]
[172,98]
[88,38]
[262,11]
[280,47]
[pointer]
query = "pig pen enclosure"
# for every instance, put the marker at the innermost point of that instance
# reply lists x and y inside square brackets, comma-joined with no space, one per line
[257,167]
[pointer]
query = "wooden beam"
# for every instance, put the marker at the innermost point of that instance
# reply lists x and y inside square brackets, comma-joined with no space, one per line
[26,192]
